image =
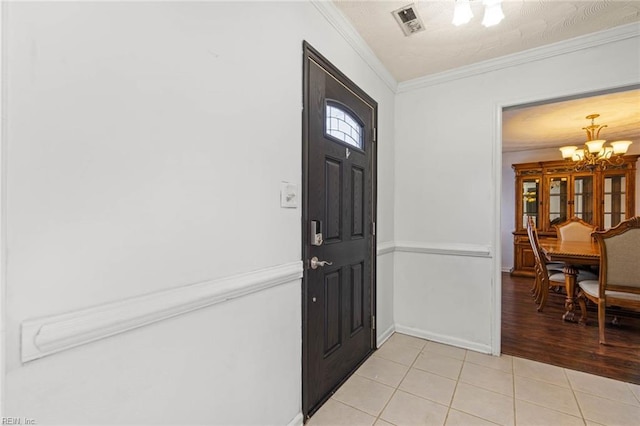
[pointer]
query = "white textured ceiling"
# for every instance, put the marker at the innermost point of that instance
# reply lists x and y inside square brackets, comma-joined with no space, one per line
[443,46]
[560,123]
[528,24]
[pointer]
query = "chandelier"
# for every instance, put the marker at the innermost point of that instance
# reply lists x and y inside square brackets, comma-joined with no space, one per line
[493,14]
[595,153]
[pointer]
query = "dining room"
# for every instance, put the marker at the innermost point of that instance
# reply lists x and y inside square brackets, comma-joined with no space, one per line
[574,196]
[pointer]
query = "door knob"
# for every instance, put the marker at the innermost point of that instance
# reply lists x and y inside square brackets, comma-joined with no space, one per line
[315,262]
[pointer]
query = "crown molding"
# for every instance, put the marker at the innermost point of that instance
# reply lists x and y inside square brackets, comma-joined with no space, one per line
[48,335]
[561,48]
[336,18]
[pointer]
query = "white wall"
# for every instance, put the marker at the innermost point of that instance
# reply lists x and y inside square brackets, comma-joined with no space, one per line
[507,223]
[448,169]
[146,143]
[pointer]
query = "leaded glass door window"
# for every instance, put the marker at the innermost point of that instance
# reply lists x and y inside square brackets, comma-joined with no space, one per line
[342,125]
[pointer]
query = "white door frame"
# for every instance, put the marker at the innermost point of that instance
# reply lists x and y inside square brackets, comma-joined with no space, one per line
[3,206]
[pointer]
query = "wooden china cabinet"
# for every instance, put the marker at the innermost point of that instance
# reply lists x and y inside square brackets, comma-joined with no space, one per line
[552,192]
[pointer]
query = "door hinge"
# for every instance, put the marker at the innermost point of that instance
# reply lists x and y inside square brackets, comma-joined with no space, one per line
[373,228]
[375,136]
[373,322]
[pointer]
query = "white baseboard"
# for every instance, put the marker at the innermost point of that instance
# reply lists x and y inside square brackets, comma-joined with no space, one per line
[385,335]
[447,340]
[297,420]
[48,335]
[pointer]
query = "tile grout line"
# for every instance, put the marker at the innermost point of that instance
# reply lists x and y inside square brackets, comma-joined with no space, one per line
[597,395]
[347,405]
[469,384]
[549,383]
[513,378]
[455,388]
[400,382]
[573,392]
[383,384]
[445,356]
[422,351]
[537,404]
[466,360]
[542,380]
[634,394]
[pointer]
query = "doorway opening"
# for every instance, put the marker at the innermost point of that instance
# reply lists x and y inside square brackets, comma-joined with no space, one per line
[548,338]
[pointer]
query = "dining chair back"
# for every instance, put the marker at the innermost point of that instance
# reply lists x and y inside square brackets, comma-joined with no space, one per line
[575,229]
[544,275]
[619,280]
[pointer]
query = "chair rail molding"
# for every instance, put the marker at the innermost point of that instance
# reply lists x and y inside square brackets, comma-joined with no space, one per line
[48,335]
[385,248]
[449,249]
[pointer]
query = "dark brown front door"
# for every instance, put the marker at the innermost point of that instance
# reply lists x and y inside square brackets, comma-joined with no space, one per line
[338,228]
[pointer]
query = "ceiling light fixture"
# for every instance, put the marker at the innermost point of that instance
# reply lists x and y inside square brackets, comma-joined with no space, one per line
[595,154]
[462,14]
[492,12]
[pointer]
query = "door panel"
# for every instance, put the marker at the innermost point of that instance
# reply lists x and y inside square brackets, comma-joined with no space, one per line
[333,197]
[332,312]
[357,202]
[339,194]
[357,296]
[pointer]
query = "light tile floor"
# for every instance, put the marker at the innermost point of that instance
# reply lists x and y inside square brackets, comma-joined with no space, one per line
[410,381]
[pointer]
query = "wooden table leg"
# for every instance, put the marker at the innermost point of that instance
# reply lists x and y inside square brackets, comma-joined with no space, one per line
[570,275]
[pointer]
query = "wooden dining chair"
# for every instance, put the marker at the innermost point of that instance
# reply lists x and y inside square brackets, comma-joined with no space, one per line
[575,229]
[619,281]
[546,274]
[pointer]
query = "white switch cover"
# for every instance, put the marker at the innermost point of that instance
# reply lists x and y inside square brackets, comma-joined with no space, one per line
[288,195]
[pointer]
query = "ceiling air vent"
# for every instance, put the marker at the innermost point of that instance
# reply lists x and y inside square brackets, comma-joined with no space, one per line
[408,19]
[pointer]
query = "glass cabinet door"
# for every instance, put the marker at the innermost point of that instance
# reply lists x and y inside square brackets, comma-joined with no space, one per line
[583,198]
[558,196]
[530,193]
[615,200]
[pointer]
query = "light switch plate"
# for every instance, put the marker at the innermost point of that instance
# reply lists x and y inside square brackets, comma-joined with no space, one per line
[288,195]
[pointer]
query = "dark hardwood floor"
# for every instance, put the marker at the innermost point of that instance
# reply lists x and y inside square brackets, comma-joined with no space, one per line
[544,337]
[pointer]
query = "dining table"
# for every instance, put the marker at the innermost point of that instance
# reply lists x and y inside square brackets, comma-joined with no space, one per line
[573,254]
